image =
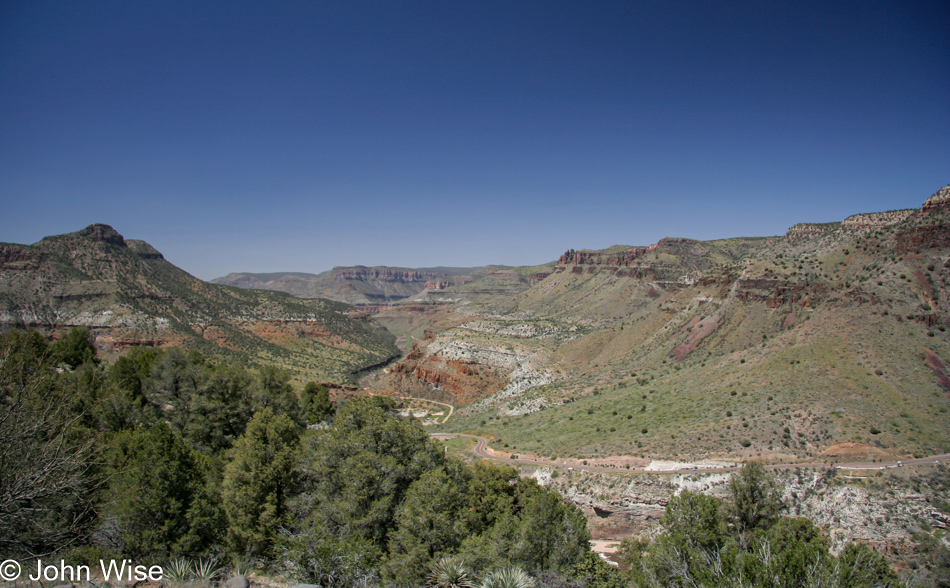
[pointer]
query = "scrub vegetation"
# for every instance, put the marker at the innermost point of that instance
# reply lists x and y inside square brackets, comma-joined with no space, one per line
[168,458]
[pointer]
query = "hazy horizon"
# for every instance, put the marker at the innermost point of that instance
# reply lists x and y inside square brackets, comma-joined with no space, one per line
[248,137]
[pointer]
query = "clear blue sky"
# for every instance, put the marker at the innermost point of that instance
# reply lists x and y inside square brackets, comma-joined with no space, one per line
[295,136]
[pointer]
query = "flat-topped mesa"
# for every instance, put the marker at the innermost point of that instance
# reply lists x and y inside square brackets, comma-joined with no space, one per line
[382,274]
[939,200]
[437,285]
[624,258]
[875,220]
[631,262]
[810,230]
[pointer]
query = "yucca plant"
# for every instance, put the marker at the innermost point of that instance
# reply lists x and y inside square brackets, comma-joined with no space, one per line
[206,569]
[178,569]
[507,577]
[449,573]
[241,567]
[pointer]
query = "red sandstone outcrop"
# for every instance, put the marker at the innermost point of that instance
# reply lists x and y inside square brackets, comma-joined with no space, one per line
[922,237]
[437,285]
[777,292]
[14,254]
[444,380]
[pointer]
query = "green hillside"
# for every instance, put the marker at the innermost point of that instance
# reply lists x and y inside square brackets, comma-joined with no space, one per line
[776,348]
[131,296]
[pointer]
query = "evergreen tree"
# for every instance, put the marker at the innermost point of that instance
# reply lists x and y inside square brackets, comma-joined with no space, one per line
[315,405]
[859,566]
[275,392]
[756,501]
[551,535]
[219,412]
[159,501]
[258,482]
[76,348]
[355,473]
[429,525]
[48,461]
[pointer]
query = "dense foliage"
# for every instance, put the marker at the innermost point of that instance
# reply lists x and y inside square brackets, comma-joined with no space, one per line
[165,454]
[744,541]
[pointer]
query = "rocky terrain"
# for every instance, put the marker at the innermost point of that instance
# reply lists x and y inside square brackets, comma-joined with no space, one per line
[780,349]
[769,348]
[131,296]
[884,508]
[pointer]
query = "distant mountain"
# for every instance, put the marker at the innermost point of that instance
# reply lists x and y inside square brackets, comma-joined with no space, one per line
[130,295]
[353,285]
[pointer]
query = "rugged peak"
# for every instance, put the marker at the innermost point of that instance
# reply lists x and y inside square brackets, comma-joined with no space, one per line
[938,200]
[101,232]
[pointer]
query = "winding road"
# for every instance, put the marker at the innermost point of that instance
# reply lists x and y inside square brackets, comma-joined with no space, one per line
[481,449]
[451,408]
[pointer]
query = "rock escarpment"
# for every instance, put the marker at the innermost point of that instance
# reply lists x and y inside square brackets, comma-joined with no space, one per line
[810,230]
[939,200]
[876,220]
[671,261]
[383,274]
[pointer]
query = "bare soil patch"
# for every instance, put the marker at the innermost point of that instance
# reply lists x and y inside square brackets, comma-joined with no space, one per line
[856,452]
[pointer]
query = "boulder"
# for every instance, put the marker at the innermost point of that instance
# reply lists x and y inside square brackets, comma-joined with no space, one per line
[237,582]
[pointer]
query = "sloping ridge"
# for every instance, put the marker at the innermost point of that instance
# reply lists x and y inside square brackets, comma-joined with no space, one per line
[131,295]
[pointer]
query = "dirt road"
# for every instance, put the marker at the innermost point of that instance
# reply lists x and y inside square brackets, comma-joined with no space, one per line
[481,449]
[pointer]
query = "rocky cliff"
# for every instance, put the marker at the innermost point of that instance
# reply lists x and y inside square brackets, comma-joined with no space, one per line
[625,258]
[876,220]
[382,274]
[810,230]
[938,201]
[883,511]
[670,261]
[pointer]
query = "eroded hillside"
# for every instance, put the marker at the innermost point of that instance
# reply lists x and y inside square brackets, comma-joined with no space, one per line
[775,348]
[131,296]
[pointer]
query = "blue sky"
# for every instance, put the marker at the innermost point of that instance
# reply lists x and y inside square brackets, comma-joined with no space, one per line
[295,136]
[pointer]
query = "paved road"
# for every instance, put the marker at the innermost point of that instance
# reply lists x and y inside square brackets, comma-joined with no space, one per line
[482,450]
